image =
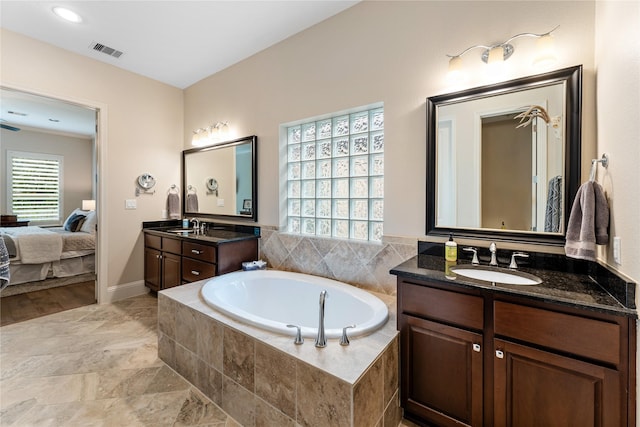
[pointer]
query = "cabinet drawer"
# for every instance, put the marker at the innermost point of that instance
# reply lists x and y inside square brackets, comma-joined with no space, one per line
[152,241]
[171,245]
[193,270]
[595,339]
[450,307]
[198,251]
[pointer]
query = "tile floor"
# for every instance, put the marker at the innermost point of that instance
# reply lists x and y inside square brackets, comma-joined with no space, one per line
[96,366]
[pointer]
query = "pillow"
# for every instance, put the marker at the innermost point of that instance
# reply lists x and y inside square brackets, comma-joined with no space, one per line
[74,222]
[89,224]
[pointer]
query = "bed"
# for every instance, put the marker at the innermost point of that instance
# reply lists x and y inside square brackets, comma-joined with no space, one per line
[38,253]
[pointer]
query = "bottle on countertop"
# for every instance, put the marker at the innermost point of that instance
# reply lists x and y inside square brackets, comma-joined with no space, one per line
[185,223]
[451,249]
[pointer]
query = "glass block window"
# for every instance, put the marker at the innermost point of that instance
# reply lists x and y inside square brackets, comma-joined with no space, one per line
[335,176]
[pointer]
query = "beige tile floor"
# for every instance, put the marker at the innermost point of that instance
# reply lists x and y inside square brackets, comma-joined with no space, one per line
[96,366]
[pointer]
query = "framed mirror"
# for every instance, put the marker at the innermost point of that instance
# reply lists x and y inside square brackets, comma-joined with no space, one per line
[220,181]
[503,161]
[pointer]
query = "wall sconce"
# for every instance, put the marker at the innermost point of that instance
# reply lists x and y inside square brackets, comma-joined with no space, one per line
[499,52]
[88,205]
[217,132]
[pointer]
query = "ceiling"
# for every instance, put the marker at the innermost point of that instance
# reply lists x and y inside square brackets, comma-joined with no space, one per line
[175,42]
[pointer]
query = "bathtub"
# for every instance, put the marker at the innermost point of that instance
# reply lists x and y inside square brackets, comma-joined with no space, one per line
[271,299]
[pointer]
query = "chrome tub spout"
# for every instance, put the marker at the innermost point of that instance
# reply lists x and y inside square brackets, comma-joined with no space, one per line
[321,340]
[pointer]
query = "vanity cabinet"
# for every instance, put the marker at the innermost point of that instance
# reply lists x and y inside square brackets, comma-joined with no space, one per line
[474,357]
[172,261]
[162,262]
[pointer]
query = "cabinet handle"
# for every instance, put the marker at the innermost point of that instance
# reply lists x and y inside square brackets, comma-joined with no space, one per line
[195,273]
[499,354]
[195,251]
[476,348]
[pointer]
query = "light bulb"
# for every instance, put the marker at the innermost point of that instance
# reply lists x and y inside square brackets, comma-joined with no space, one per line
[545,51]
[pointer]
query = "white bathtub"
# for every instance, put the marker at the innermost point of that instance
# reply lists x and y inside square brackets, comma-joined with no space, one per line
[271,299]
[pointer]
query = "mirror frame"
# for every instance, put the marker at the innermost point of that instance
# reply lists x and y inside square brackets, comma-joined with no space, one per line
[573,137]
[254,180]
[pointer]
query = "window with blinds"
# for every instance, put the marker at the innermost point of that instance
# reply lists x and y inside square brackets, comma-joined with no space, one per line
[35,184]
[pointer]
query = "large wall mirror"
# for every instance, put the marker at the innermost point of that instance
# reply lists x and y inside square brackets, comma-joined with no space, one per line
[220,181]
[504,160]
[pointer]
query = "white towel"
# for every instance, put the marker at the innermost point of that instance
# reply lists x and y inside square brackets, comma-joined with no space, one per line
[173,205]
[192,202]
[588,222]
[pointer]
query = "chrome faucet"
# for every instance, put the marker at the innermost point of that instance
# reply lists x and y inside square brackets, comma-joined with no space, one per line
[513,264]
[196,224]
[321,340]
[493,250]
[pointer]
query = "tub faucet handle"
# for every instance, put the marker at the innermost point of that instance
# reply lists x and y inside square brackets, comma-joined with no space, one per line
[344,339]
[298,340]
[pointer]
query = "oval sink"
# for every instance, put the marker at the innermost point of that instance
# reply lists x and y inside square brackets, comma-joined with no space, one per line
[181,230]
[507,277]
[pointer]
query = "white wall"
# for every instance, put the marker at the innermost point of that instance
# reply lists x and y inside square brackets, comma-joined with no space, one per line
[142,131]
[617,51]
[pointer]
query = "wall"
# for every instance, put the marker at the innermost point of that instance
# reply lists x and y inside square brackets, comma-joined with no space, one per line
[78,165]
[141,131]
[379,51]
[617,52]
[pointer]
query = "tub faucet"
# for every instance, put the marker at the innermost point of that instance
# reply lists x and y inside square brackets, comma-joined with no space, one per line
[321,340]
[493,250]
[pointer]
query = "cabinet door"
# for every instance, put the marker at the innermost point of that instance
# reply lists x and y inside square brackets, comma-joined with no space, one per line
[442,373]
[171,272]
[537,388]
[152,268]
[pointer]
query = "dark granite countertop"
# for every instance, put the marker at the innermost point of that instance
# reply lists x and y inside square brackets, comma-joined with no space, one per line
[571,288]
[217,234]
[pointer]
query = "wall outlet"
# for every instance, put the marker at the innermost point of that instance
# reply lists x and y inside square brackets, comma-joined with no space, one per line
[130,204]
[220,202]
[617,256]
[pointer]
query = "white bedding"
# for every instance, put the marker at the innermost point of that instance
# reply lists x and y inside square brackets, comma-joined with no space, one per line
[49,252]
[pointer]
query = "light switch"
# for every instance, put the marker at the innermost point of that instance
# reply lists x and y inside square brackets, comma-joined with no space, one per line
[130,204]
[220,202]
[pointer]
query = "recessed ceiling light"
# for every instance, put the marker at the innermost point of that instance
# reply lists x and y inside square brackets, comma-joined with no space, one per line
[67,14]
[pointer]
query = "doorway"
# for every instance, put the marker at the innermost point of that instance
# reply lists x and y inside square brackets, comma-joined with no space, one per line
[37,123]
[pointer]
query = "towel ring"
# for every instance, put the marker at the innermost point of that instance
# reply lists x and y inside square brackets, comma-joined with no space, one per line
[192,189]
[173,189]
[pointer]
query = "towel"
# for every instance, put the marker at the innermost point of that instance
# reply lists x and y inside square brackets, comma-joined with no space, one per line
[173,205]
[192,202]
[4,265]
[588,222]
[553,213]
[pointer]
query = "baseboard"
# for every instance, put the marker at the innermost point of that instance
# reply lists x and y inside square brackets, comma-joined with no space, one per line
[127,290]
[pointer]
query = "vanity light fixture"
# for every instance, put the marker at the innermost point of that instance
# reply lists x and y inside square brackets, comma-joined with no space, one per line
[67,14]
[500,52]
[217,132]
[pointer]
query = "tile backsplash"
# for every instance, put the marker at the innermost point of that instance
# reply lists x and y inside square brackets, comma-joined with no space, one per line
[359,263]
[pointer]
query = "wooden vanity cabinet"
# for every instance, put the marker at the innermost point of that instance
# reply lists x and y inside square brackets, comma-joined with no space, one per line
[162,262]
[171,261]
[472,357]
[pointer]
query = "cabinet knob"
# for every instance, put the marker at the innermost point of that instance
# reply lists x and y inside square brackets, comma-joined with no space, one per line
[499,354]
[195,273]
[476,348]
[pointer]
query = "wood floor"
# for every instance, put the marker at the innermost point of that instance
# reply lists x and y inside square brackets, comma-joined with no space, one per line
[18,308]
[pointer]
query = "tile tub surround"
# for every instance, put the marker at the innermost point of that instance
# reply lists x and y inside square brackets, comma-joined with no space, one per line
[262,379]
[359,263]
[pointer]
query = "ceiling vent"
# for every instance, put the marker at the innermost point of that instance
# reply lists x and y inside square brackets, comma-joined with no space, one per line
[106,50]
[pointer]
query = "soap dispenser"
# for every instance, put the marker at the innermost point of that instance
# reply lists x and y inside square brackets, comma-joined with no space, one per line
[451,249]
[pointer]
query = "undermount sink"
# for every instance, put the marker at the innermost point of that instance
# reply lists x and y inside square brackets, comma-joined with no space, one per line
[494,275]
[181,230]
